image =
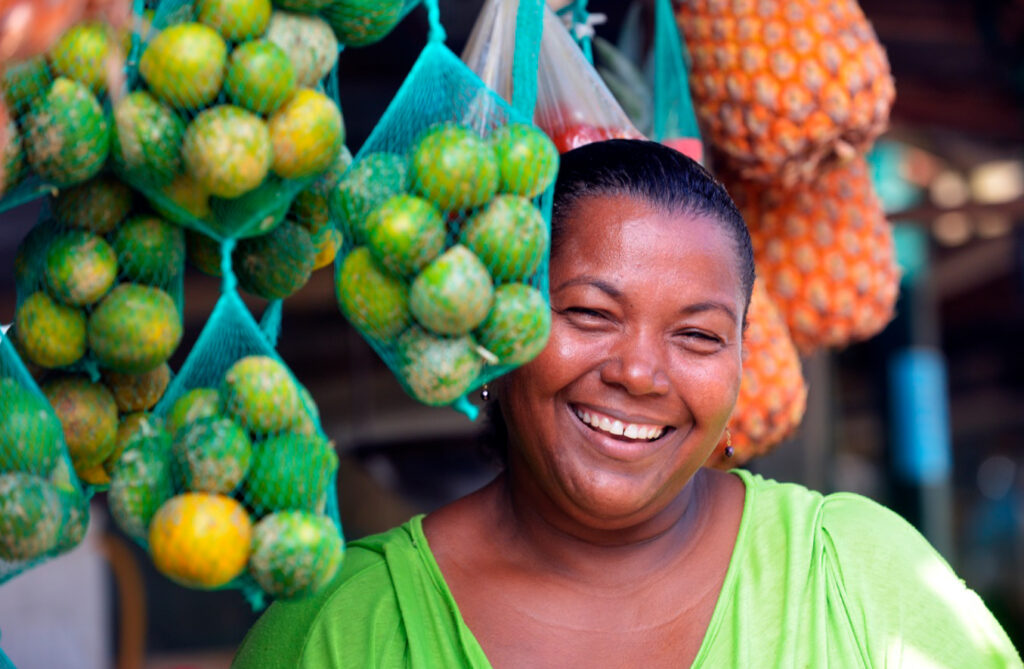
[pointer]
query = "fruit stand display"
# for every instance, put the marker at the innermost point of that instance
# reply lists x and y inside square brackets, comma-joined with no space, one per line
[223,143]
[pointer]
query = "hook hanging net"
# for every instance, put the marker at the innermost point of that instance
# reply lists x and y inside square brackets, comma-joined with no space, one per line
[445,219]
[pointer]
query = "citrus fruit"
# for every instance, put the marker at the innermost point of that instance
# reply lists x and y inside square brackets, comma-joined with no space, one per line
[94,475]
[88,414]
[275,265]
[235,20]
[67,134]
[453,294]
[309,42]
[98,204]
[200,540]
[134,329]
[365,186]
[295,553]
[30,258]
[259,391]
[227,150]
[12,158]
[517,327]
[80,268]
[254,213]
[363,22]
[453,168]
[184,65]
[306,132]
[52,334]
[81,54]
[527,160]
[203,252]
[373,299]
[310,206]
[290,471]
[30,516]
[305,6]
[405,233]
[212,454]
[510,236]
[74,510]
[31,437]
[140,482]
[149,250]
[183,201]
[25,82]
[437,370]
[194,405]
[134,427]
[260,76]
[146,140]
[327,243]
[138,392]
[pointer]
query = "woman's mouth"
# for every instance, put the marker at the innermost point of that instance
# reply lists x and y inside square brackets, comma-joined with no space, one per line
[618,428]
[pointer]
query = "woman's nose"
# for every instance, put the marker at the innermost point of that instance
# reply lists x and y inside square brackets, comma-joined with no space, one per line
[637,365]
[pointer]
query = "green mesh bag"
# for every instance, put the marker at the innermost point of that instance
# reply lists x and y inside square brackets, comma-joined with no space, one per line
[444,215]
[233,484]
[229,116]
[99,313]
[57,131]
[43,511]
[358,23]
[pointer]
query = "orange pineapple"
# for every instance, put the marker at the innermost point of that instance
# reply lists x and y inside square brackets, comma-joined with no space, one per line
[783,86]
[773,394]
[825,252]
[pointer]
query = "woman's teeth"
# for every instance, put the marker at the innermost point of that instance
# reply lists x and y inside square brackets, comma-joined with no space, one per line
[618,428]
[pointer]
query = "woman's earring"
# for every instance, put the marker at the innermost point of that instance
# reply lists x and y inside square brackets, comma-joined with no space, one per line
[729,450]
[485,393]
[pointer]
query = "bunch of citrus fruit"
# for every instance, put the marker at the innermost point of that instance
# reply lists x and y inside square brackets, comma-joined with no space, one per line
[444,245]
[231,122]
[233,478]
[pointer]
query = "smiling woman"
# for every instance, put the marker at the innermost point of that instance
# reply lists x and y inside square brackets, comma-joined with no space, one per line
[605,542]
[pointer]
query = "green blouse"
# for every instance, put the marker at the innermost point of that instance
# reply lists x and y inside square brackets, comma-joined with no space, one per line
[814,581]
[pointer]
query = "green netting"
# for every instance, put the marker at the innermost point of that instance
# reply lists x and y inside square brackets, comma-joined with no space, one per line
[580,31]
[43,511]
[363,22]
[58,131]
[5,662]
[444,215]
[234,484]
[99,313]
[675,121]
[233,111]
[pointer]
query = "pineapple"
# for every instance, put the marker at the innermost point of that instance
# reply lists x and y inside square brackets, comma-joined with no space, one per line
[773,394]
[826,254]
[785,86]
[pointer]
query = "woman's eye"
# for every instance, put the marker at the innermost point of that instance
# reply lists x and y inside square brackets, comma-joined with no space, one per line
[583,311]
[701,339]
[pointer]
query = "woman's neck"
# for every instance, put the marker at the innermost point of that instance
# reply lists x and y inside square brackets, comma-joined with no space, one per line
[537,534]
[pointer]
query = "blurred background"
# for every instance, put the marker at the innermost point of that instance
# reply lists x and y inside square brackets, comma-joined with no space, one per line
[926,418]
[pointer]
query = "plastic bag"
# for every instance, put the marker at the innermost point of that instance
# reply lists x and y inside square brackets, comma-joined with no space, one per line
[99,313]
[43,511]
[445,219]
[56,125]
[233,486]
[229,118]
[574,107]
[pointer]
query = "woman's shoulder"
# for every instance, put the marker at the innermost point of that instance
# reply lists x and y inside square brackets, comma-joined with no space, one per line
[357,612]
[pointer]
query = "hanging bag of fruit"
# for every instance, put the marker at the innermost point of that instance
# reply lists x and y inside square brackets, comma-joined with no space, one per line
[43,511]
[99,313]
[228,117]
[55,124]
[233,484]
[675,122]
[445,219]
[574,107]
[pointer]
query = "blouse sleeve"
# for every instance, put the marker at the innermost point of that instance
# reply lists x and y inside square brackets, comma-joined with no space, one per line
[905,605]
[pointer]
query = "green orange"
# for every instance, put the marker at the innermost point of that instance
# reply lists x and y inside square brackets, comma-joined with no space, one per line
[31,438]
[373,299]
[306,132]
[527,159]
[98,204]
[260,392]
[149,250]
[235,20]
[510,236]
[146,140]
[260,76]
[134,329]
[212,455]
[138,392]
[88,413]
[453,294]
[290,471]
[184,65]
[295,553]
[437,370]
[516,329]
[405,233]
[196,404]
[140,482]
[51,334]
[82,54]
[227,150]
[30,516]
[369,183]
[80,268]
[275,265]
[363,22]
[454,168]
[309,42]
[67,134]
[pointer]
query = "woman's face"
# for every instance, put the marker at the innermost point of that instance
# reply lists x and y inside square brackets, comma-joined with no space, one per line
[642,369]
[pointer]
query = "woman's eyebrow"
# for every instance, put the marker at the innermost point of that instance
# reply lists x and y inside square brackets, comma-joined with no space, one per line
[710,305]
[587,280]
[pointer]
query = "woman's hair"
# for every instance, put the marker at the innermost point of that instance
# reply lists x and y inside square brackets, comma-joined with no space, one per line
[656,175]
[650,173]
